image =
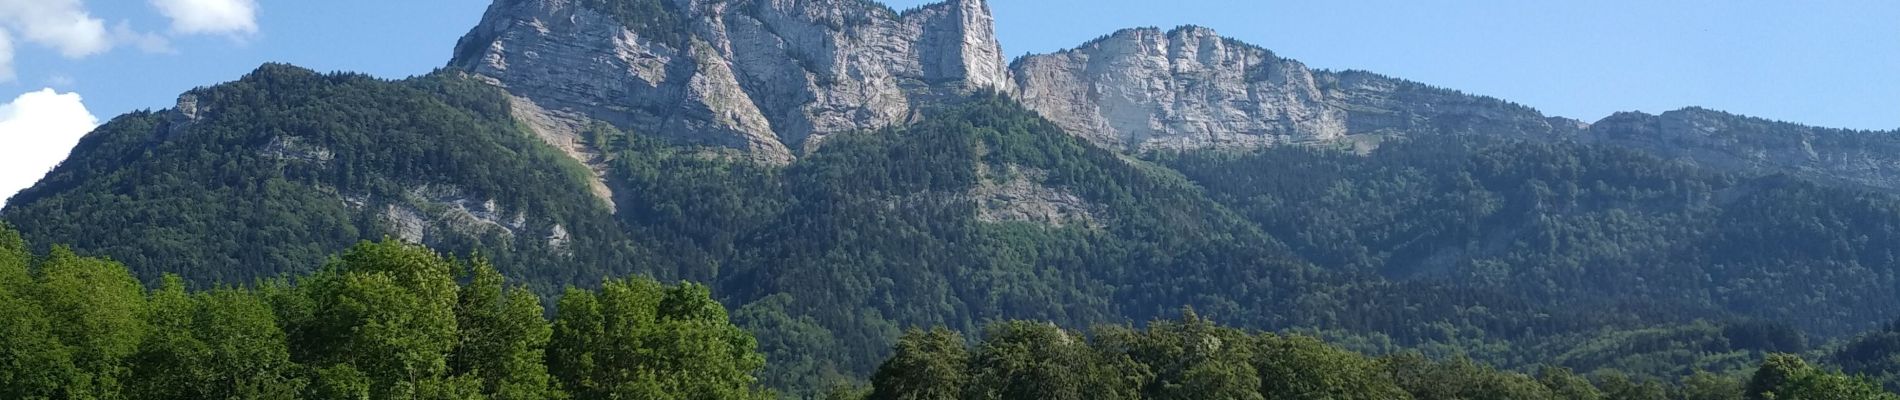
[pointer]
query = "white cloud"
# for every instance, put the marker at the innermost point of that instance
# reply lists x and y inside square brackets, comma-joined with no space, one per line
[147,42]
[210,16]
[37,131]
[61,24]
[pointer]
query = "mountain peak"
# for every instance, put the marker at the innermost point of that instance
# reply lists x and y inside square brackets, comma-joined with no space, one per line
[1191,88]
[772,77]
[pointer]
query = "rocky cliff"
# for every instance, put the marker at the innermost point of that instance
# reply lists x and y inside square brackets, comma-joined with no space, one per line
[1754,145]
[773,77]
[1190,88]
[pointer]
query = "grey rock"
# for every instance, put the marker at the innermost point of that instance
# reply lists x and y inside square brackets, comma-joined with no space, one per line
[771,77]
[1732,142]
[1021,194]
[562,131]
[774,78]
[431,213]
[295,149]
[1190,88]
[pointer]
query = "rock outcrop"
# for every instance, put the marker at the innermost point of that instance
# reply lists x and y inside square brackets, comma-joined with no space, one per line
[1023,195]
[775,77]
[1753,145]
[772,77]
[1190,88]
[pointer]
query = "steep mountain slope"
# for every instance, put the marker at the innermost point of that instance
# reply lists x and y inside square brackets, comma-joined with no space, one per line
[1753,145]
[573,140]
[982,212]
[271,173]
[1874,354]
[773,77]
[1190,88]
[985,211]
[1570,224]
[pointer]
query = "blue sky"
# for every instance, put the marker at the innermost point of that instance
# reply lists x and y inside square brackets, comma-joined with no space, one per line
[1828,63]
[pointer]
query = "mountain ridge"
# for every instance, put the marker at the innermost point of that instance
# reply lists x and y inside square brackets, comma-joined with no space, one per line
[1152,169]
[775,77]
[772,77]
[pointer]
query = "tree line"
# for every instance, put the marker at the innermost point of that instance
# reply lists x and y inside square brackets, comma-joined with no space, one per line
[1193,358]
[382,320]
[394,320]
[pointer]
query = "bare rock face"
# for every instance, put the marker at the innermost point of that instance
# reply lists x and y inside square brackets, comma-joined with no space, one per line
[1190,88]
[1022,195]
[1754,145]
[772,77]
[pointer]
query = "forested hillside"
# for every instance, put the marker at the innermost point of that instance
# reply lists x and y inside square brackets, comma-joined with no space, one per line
[1576,225]
[382,320]
[391,320]
[749,199]
[271,173]
[1873,354]
[988,212]
[1192,358]
[1513,253]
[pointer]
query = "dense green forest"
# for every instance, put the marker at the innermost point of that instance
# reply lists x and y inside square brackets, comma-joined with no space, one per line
[1874,354]
[392,320]
[1576,225]
[884,221]
[1192,358]
[1511,253]
[272,173]
[382,320]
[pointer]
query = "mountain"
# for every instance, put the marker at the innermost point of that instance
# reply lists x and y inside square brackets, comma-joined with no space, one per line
[1567,224]
[839,171]
[1190,88]
[1754,145]
[274,172]
[774,77]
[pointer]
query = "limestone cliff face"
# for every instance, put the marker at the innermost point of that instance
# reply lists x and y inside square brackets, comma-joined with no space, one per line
[1189,88]
[1754,145]
[773,77]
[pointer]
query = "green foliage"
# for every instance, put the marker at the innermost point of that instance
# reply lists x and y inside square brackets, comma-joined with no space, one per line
[1777,371]
[1460,379]
[34,363]
[637,339]
[223,344]
[386,309]
[1708,386]
[1302,367]
[927,366]
[503,337]
[275,172]
[1616,385]
[1511,253]
[1787,377]
[1569,224]
[1191,358]
[382,320]
[1874,354]
[98,311]
[1567,385]
[1028,360]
